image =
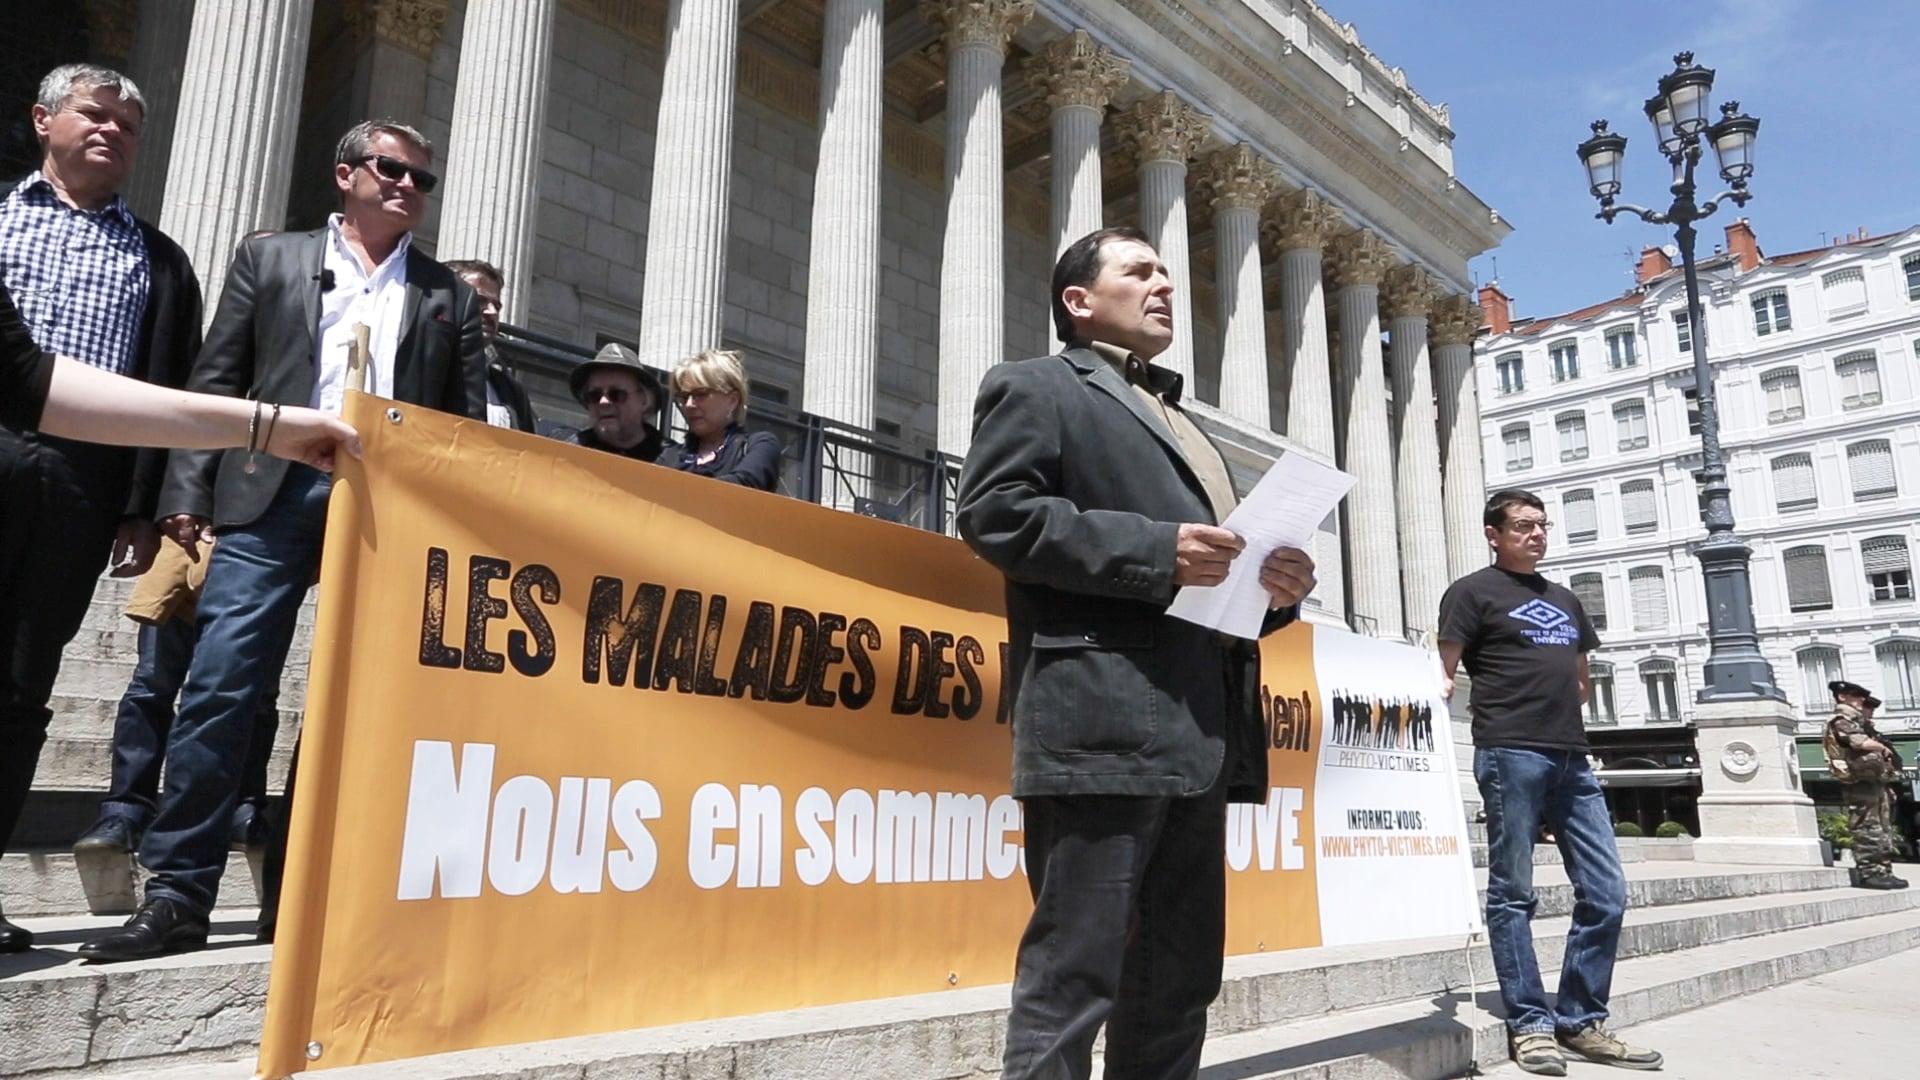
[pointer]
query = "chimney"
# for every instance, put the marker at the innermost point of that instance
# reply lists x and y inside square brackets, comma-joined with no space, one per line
[1497,306]
[1741,243]
[1653,262]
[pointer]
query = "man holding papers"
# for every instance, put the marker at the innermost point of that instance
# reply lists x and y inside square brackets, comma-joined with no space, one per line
[1093,491]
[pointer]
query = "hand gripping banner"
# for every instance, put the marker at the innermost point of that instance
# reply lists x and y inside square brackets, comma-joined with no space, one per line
[593,745]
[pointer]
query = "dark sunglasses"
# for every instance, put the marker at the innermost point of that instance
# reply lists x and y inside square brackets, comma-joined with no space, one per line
[394,170]
[615,394]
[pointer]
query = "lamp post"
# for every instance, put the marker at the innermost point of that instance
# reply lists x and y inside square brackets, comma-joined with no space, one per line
[1735,669]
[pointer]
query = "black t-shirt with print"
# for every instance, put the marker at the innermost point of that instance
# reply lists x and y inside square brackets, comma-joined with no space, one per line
[1522,637]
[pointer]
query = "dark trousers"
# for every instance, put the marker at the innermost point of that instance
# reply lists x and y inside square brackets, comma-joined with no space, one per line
[60,505]
[145,718]
[1128,928]
[258,576]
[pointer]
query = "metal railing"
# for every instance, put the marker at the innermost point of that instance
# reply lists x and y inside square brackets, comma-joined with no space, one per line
[822,460]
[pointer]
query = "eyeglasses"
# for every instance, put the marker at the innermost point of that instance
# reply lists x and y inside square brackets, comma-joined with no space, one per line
[1525,527]
[617,395]
[698,395]
[394,170]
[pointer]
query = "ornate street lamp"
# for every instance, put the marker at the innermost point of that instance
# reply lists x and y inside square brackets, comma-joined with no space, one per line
[1736,669]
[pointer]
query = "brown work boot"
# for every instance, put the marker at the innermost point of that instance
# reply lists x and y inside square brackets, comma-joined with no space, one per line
[1536,1052]
[1596,1044]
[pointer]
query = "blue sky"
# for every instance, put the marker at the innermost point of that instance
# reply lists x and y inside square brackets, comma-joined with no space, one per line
[1833,82]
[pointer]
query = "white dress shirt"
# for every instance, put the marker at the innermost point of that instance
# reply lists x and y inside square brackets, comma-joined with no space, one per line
[378,299]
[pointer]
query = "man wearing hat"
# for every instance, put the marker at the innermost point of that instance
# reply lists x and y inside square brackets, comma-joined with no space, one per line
[621,399]
[1867,768]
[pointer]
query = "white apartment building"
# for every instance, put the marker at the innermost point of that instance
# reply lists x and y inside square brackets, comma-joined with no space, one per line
[1816,359]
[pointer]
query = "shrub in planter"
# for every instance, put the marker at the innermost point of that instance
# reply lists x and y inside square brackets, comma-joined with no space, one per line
[1835,830]
[1672,830]
[1627,828]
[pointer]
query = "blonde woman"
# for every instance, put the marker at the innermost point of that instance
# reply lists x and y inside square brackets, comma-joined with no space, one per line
[710,389]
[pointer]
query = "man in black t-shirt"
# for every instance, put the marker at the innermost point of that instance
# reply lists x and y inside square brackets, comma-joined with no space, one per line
[1525,642]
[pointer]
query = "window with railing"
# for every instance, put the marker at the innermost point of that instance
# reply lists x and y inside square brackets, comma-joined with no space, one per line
[1808,587]
[1899,672]
[1770,313]
[1660,682]
[1782,389]
[1630,424]
[1793,486]
[1600,707]
[1591,591]
[1639,512]
[1691,395]
[1844,292]
[1572,427]
[1819,665]
[1871,464]
[1512,373]
[1859,376]
[1889,570]
[1518,440]
[1683,331]
[1622,350]
[1647,587]
[1566,361]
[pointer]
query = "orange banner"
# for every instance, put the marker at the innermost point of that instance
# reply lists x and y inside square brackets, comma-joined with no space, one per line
[593,745]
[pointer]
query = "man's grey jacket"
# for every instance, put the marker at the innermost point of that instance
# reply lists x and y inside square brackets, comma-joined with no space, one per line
[1076,490]
[261,346]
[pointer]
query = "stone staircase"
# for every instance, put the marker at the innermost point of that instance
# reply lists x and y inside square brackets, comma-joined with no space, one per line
[1412,1010]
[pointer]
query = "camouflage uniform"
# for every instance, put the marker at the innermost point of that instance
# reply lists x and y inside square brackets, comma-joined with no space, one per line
[1867,777]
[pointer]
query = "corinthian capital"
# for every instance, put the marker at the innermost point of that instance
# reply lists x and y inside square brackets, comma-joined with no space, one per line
[1163,128]
[1455,320]
[1075,71]
[1299,219]
[1236,177]
[977,22]
[413,25]
[1408,290]
[1360,257]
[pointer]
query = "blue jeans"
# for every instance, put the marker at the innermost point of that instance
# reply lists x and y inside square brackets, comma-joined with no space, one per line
[146,716]
[1523,789]
[258,575]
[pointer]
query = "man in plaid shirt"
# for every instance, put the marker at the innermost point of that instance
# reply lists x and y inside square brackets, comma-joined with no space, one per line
[97,284]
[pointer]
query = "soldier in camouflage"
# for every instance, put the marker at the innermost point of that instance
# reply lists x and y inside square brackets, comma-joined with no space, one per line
[1867,767]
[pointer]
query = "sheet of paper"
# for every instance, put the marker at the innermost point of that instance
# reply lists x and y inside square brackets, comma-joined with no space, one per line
[1284,509]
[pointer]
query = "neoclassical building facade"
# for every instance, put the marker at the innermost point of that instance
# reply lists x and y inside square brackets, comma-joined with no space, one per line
[866,197]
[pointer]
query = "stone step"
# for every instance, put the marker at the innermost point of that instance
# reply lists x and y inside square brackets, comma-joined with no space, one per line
[1632,849]
[91,718]
[1292,987]
[1453,1034]
[86,763]
[60,884]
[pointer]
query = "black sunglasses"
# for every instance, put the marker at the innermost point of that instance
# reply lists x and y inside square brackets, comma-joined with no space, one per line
[593,394]
[395,170]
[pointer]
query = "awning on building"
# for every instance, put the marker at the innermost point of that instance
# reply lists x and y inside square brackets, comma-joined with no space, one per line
[1813,758]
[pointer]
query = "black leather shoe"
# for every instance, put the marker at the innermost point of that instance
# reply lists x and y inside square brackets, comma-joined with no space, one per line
[1883,880]
[249,828]
[160,928]
[112,834]
[14,938]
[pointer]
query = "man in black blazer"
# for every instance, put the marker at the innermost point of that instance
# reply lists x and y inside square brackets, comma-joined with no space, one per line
[281,335]
[98,284]
[1098,497]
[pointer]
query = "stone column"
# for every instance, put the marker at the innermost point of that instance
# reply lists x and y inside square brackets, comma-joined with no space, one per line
[1164,133]
[1455,321]
[493,154]
[1360,260]
[239,109]
[1078,78]
[397,39]
[973,268]
[1409,293]
[843,279]
[683,292]
[1298,225]
[1752,809]
[156,62]
[1238,182]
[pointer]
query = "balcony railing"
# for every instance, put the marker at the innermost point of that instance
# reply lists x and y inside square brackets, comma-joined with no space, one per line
[823,460]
